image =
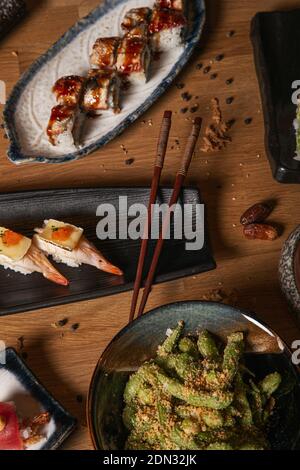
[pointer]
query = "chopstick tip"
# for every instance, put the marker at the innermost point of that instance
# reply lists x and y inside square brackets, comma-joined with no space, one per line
[167,114]
[198,121]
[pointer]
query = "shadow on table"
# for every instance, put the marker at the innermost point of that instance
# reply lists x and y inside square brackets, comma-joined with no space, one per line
[44,369]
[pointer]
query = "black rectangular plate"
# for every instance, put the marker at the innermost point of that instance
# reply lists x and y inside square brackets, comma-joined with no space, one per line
[276,42]
[24,211]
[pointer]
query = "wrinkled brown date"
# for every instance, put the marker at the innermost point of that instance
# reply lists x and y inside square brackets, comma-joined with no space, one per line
[256,213]
[260,232]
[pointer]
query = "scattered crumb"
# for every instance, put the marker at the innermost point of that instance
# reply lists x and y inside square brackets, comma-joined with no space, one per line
[60,323]
[186,96]
[230,123]
[219,295]
[216,134]
[199,66]
[229,81]
[248,120]
[129,161]
[194,108]
[219,57]
[184,110]
[150,122]
[230,33]
[229,100]
[213,76]
[21,342]
[75,327]
[207,69]
[180,86]
[15,53]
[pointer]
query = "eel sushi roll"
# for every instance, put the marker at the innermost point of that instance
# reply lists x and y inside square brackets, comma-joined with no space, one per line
[64,127]
[134,58]
[138,32]
[102,92]
[68,90]
[67,244]
[136,17]
[178,5]
[167,29]
[19,254]
[104,54]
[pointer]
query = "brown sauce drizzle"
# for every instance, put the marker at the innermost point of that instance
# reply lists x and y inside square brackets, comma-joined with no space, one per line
[165,19]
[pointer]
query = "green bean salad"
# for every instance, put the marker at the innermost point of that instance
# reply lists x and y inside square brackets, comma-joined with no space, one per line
[196,395]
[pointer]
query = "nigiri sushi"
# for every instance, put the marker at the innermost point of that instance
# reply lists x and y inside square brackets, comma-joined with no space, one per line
[134,57]
[102,92]
[67,244]
[68,90]
[172,4]
[65,124]
[104,54]
[21,255]
[136,17]
[167,29]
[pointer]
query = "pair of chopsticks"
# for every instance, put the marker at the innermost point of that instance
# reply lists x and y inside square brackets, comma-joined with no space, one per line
[180,177]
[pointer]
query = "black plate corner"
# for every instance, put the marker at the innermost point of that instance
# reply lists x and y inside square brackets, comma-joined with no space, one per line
[275,38]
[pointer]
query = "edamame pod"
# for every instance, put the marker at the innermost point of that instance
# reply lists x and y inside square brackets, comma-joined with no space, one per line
[171,342]
[207,346]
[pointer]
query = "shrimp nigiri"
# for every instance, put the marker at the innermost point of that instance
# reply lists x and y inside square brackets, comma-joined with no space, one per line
[21,255]
[67,244]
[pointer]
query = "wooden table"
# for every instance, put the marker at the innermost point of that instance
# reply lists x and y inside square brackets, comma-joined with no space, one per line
[230,181]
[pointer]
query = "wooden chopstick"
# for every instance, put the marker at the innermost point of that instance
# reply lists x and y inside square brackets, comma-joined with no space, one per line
[181,175]
[160,158]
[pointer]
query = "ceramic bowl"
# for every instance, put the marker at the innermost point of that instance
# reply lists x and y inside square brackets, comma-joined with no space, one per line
[138,342]
[289,271]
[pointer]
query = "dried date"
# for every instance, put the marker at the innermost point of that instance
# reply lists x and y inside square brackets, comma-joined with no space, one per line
[257,213]
[260,232]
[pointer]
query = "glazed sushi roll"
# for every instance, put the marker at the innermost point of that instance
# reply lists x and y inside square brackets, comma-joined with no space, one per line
[138,32]
[167,29]
[134,57]
[19,254]
[104,54]
[178,5]
[136,17]
[65,124]
[67,244]
[68,90]
[102,92]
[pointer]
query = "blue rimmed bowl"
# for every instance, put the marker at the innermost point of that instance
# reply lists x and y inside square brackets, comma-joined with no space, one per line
[28,108]
[19,385]
[138,342]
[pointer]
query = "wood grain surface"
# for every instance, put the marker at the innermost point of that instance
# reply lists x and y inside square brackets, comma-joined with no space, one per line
[230,181]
